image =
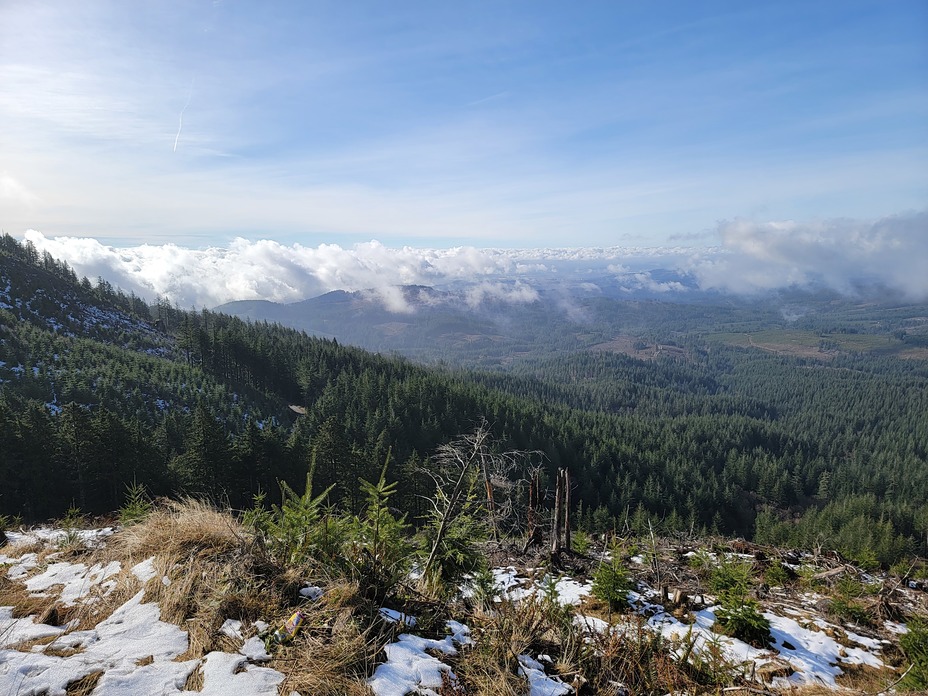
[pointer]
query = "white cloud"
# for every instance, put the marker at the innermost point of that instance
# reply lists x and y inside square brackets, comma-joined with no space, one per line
[644,281]
[269,270]
[754,256]
[840,254]
[517,293]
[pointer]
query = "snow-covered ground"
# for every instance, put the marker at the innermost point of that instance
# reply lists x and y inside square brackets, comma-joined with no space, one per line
[804,641]
[131,650]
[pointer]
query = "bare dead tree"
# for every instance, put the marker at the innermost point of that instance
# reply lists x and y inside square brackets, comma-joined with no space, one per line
[462,469]
[558,519]
[454,473]
[566,509]
[533,512]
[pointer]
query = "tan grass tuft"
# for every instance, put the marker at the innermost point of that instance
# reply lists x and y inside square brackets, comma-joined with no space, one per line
[180,528]
[326,665]
[865,678]
[332,654]
[491,666]
[23,547]
[83,686]
[195,680]
[14,594]
[211,573]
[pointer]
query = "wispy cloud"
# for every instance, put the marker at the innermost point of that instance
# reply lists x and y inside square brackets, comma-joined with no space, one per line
[444,126]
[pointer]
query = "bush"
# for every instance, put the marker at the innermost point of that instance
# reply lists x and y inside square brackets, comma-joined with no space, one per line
[456,553]
[744,622]
[702,563]
[483,585]
[915,646]
[581,542]
[738,617]
[611,584]
[776,575]
[377,549]
[844,603]
[300,529]
[136,507]
[731,578]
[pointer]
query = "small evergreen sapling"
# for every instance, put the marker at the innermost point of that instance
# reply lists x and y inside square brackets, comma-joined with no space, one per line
[915,646]
[378,548]
[738,616]
[611,583]
[136,506]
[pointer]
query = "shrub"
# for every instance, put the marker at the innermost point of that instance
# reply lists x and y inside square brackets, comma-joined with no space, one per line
[702,563]
[915,646]
[581,542]
[776,575]
[844,603]
[73,519]
[454,553]
[377,548]
[611,583]
[849,610]
[738,617]
[731,578]
[136,507]
[744,622]
[300,529]
[483,585]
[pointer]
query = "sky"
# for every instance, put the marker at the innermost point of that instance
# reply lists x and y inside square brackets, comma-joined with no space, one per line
[206,127]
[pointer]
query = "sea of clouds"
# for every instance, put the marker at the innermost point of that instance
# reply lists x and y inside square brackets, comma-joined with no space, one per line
[750,257]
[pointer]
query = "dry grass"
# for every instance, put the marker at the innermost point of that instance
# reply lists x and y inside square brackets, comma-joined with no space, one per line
[206,557]
[491,666]
[84,686]
[865,679]
[327,665]
[336,649]
[24,547]
[14,594]
[180,528]
[195,680]
[212,574]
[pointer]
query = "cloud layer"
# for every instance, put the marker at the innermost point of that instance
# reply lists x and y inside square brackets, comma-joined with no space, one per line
[844,255]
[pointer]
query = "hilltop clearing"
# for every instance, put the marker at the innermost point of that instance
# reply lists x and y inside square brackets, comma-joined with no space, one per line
[186,601]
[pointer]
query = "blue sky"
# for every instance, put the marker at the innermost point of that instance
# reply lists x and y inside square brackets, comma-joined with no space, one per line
[434,124]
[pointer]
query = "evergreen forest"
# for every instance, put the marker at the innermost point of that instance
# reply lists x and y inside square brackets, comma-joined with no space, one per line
[101,392]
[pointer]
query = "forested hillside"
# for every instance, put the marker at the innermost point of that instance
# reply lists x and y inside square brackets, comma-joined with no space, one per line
[99,391]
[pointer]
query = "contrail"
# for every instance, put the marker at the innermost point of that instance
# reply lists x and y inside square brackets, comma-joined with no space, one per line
[180,121]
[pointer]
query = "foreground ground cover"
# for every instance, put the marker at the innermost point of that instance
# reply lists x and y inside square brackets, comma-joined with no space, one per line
[185,602]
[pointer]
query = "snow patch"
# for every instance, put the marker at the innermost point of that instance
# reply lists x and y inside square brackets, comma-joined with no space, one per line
[409,667]
[77,580]
[145,570]
[398,617]
[539,683]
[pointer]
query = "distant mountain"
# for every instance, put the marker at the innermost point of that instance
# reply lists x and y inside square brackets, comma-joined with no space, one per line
[494,324]
[417,321]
